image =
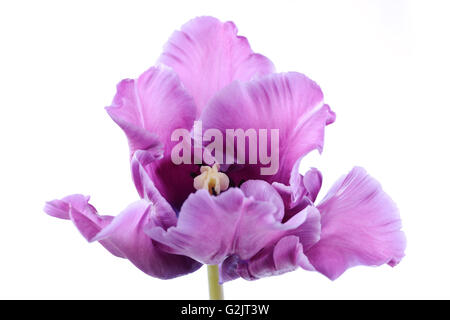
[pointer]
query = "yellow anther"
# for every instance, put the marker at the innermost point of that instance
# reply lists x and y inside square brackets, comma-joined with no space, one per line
[211,179]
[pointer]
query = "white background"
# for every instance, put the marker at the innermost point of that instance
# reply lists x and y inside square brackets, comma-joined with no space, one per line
[383,66]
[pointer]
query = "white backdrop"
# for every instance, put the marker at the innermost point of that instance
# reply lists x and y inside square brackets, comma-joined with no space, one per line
[383,66]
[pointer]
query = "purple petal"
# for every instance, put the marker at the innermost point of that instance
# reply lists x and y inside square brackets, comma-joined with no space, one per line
[301,192]
[360,226]
[155,102]
[164,216]
[261,191]
[297,187]
[60,208]
[149,109]
[228,269]
[123,235]
[77,208]
[211,228]
[174,182]
[285,256]
[289,102]
[208,228]
[207,55]
[309,233]
[126,231]
[312,182]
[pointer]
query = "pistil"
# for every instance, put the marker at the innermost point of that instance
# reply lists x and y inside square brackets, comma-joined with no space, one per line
[211,179]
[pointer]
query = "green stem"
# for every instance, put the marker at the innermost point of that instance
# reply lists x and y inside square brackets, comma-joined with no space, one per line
[215,289]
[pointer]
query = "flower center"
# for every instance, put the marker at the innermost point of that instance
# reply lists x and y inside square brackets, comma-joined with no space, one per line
[211,179]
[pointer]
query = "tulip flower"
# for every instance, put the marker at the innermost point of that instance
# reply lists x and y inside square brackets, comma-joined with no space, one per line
[227,212]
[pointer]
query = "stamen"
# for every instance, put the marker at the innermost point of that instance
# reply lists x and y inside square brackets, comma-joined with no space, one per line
[211,179]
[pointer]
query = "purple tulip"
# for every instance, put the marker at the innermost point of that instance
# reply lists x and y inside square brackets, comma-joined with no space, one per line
[251,225]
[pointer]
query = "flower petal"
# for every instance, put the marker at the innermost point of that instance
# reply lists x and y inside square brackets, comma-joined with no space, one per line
[164,216]
[207,228]
[77,208]
[126,231]
[285,256]
[211,228]
[309,232]
[228,269]
[312,182]
[61,208]
[360,226]
[301,192]
[207,55]
[149,109]
[262,191]
[156,102]
[124,237]
[290,103]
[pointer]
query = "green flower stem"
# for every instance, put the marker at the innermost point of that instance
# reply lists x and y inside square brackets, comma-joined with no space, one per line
[215,288]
